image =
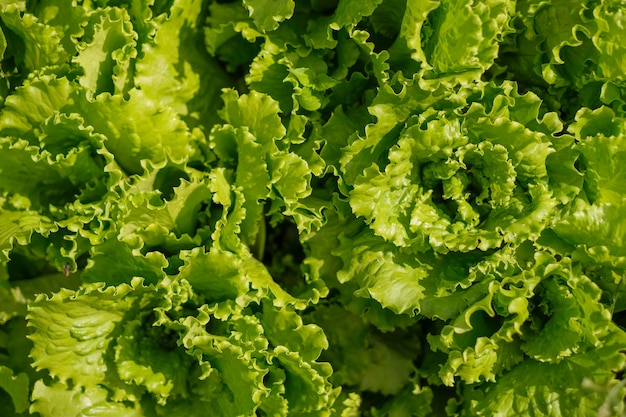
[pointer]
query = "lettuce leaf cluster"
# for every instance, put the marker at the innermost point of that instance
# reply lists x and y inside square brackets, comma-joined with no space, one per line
[315,208]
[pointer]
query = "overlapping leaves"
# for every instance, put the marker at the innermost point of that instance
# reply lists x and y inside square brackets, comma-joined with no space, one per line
[437,184]
[143,342]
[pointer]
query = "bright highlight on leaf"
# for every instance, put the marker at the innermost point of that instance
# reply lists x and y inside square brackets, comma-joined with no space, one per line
[312,208]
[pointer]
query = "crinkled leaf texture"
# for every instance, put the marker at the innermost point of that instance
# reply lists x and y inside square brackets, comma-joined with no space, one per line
[314,208]
[457,183]
[136,348]
[536,388]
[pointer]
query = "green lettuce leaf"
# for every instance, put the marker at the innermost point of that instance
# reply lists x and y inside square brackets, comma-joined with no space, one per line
[593,223]
[144,343]
[184,79]
[316,208]
[577,62]
[367,360]
[559,391]
[17,388]
[105,53]
[57,399]
[455,185]
[37,46]
[347,14]
[268,15]
[455,40]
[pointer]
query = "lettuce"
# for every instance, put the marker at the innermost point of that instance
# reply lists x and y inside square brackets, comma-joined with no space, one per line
[314,208]
[143,342]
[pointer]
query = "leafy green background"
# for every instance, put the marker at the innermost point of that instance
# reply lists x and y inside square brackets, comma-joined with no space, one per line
[315,208]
